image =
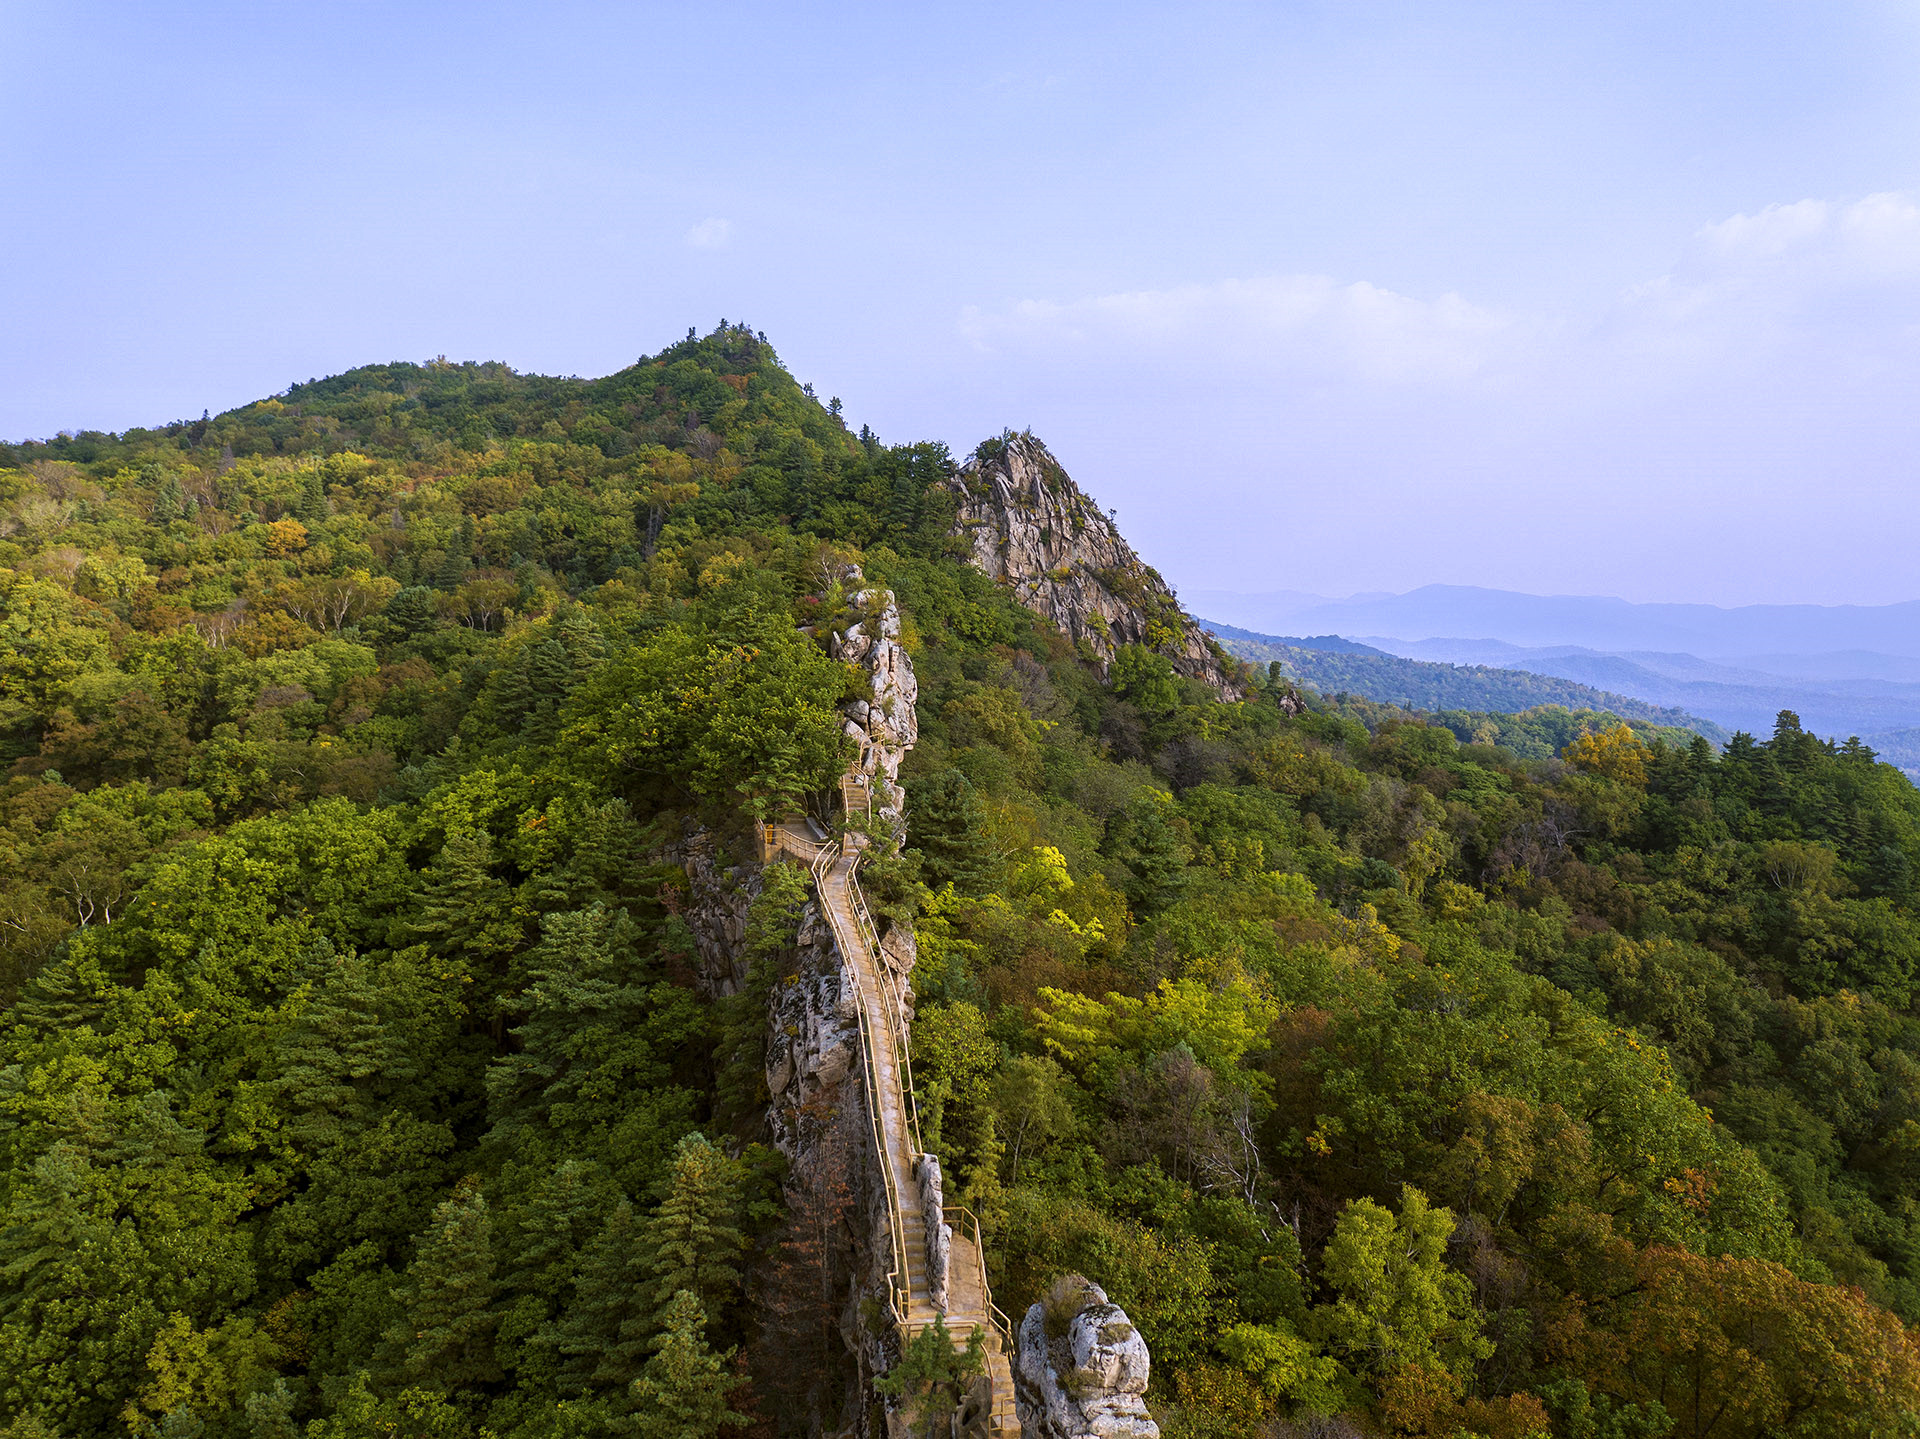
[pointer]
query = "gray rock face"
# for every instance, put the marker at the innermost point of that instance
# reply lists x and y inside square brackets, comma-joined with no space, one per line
[888,726]
[1085,1384]
[715,908]
[814,1029]
[1090,1383]
[1030,526]
[933,1214]
[816,1115]
[813,1035]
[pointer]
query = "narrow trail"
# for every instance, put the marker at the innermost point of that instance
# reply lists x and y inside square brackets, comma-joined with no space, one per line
[896,1133]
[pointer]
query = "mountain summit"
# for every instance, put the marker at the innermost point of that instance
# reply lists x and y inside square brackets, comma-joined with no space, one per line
[1030,526]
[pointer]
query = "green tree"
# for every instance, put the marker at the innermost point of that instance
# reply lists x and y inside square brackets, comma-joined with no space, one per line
[1396,1304]
[947,828]
[931,1379]
[1144,678]
[682,1392]
[599,1051]
[1153,851]
[750,719]
[602,1336]
[694,1241]
[445,1333]
[1033,1104]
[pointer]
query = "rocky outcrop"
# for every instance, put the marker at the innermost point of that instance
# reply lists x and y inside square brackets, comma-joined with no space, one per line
[1084,1375]
[1029,526]
[933,1213]
[1087,1379]
[817,1111]
[715,908]
[813,1041]
[886,725]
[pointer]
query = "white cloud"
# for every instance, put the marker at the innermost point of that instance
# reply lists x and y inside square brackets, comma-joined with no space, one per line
[1876,237]
[710,234]
[1662,433]
[1295,322]
[1814,287]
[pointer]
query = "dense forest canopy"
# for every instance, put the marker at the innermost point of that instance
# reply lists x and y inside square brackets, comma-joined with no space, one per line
[1506,1076]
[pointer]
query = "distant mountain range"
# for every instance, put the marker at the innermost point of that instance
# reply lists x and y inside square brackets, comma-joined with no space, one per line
[1844,669]
[1739,696]
[1334,665]
[1744,634]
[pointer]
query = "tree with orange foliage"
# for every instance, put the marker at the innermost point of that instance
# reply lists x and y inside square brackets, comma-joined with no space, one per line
[1741,1348]
[286,537]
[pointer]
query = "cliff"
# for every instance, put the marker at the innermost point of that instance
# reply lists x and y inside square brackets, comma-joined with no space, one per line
[1030,527]
[840,1111]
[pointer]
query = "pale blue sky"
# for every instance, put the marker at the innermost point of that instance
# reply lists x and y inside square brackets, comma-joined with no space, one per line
[1609,297]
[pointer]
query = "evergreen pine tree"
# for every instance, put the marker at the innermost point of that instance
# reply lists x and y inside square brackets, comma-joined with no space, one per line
[579,1002]
[1153,852]
[547,1236]
[693,1241]
[682,1391]
[464,912]
[453,568]
[445,1332]
[509,699]
[931,1378]
[411,611]
[312,504]
[947,827]
[601,1339]
[550,677]
[585,645]
[337,1057]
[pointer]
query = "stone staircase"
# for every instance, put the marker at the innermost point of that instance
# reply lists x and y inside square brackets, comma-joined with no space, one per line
[989,1410]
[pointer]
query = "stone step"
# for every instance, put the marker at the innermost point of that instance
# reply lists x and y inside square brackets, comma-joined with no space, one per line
[839,895]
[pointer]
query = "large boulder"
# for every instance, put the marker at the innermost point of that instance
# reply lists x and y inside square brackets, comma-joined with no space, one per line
[1081,1368]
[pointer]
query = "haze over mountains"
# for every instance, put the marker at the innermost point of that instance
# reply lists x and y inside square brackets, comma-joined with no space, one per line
[1844,669]
[1590,621]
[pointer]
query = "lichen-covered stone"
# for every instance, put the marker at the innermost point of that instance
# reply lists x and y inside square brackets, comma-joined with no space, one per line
[939,1232]
[1089,1379]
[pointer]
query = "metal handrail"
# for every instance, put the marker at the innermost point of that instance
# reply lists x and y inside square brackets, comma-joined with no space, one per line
[994,1316]
[967,1219]
[900,1293]
[899,1285]
[896,1006]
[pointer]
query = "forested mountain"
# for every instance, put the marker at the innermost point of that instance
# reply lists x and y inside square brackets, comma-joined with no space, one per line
[363,1073]
[1841,702]
[1336,666]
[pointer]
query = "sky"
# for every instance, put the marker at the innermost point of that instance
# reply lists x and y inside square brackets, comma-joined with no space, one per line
[1339,297]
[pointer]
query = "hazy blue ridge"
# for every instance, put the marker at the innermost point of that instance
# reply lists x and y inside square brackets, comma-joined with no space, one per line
[1737,696]
[1333,665]
[1596,622]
